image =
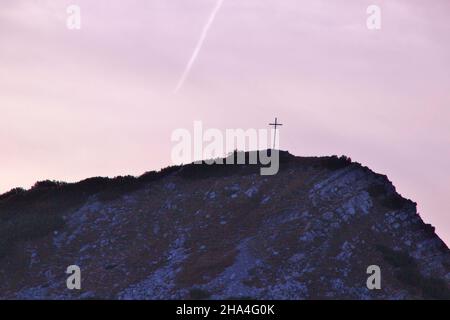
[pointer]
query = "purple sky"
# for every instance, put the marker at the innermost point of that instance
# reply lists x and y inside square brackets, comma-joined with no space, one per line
[100,101]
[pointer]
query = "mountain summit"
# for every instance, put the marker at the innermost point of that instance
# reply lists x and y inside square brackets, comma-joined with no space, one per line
[221,231]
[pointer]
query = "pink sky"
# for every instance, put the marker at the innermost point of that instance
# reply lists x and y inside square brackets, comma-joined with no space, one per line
[99,101]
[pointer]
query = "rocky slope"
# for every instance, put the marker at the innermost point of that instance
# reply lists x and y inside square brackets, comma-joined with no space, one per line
[217,232]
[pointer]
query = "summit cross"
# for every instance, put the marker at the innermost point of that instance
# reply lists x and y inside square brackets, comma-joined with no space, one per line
[275,125]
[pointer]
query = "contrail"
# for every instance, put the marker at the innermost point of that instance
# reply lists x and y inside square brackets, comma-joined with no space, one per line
[199,45]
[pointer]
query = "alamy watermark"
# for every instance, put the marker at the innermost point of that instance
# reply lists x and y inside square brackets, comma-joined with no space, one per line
[373,21]
[374,280]
[211,145]
[73,282]
[73,21]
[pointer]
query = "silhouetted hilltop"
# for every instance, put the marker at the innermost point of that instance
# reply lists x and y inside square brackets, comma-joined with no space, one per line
[218,231]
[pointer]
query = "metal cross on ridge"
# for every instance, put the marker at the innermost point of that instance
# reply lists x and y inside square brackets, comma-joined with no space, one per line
[275,125]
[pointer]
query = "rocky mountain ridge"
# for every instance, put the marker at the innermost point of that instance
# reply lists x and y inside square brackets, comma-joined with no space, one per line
[221,231]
